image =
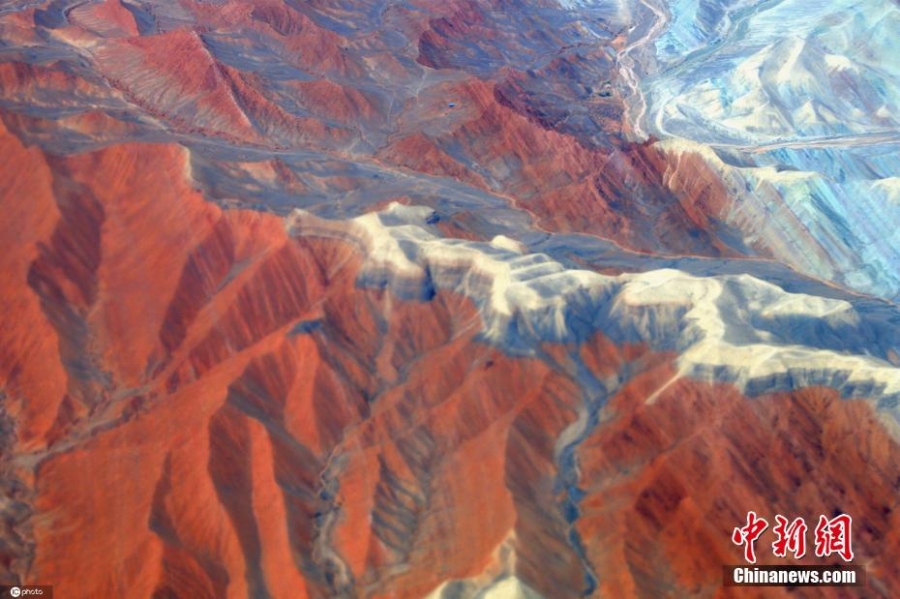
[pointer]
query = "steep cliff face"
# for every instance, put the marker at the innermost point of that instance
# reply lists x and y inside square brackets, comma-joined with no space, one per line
[366,299]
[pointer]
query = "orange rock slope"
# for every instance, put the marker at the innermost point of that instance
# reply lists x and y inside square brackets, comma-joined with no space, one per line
[196,400]
[200,405]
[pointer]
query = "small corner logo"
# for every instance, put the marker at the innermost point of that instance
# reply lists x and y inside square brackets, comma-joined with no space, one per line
[25,591]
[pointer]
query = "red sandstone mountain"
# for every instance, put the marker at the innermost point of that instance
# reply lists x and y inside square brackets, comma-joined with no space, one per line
[201,400]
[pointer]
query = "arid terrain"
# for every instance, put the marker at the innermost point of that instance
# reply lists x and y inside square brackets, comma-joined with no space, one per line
[494,299]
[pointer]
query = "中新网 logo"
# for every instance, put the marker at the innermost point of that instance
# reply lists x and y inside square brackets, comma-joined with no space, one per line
[830,537]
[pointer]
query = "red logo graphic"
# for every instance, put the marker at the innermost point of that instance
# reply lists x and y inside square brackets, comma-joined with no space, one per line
[832,536]
[748,534]
[791,537]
